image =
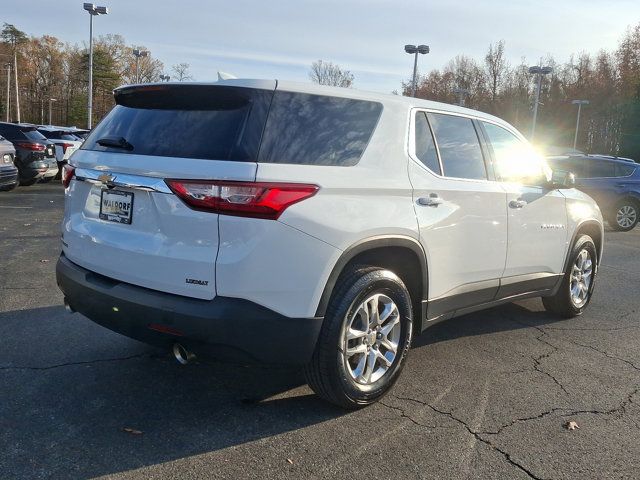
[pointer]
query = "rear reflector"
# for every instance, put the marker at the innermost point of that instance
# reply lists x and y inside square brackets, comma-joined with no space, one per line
[165,329]
[243,199]
[68,171]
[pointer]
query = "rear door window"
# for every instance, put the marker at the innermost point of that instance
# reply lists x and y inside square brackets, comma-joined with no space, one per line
[317,129]
[190,121]
[424,145]
[33,135]
[602,169]
[459,147]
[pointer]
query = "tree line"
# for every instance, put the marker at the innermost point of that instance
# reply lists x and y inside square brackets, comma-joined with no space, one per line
[609,80]
[46,68]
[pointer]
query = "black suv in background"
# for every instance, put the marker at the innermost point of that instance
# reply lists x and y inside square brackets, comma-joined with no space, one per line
[8,171]
[614,183]
[35,155]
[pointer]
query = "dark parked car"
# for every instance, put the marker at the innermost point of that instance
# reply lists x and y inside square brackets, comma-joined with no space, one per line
[35,155]
[613,183]
[8,171]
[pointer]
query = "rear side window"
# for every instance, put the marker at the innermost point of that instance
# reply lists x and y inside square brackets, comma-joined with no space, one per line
[602,169]
[190,121]
[425,146]
[624,170]
[459,147]
[317,130]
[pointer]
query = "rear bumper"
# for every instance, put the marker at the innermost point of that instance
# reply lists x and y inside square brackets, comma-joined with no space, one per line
[228,328]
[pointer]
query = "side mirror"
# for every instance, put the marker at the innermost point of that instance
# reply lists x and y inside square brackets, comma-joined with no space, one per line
[562,179]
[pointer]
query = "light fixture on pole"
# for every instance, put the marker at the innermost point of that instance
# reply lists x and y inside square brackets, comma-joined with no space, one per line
[413,50]
[93,11]
[462,93]
[139,53]
[539,71]
[165,78]
[8,67]
[579,103]
[50,101]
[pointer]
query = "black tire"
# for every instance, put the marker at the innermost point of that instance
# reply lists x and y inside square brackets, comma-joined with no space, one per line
[328,372]
[28,183]
[562,303]
[632,207]
[46,180]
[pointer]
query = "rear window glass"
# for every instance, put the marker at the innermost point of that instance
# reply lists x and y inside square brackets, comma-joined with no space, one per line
[33,135]
[214,122]
[317,129]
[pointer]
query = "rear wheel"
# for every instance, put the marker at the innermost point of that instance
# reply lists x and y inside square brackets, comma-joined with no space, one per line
[625,215]
[28,183]
[364,339]
[46,180]
[577,285]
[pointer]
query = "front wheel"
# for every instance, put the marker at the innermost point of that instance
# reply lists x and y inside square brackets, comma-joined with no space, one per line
[577,285]
[364,339]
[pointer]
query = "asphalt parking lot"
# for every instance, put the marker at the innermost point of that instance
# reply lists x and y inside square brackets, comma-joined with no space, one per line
[484,396]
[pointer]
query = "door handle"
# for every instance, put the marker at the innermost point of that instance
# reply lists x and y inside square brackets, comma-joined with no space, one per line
[432,200]
[517,203]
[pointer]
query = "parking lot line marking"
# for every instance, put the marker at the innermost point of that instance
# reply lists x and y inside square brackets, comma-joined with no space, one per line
[468,454]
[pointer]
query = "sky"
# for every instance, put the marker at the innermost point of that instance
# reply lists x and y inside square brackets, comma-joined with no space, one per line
[281,38]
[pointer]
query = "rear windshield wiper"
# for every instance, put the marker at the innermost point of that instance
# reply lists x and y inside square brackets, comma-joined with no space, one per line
[115,142]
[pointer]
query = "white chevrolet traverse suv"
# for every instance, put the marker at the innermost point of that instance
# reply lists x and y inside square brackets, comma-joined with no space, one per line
[292,223]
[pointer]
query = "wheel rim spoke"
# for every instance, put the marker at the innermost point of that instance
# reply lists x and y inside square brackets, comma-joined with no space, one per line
[581,278]
[371,338]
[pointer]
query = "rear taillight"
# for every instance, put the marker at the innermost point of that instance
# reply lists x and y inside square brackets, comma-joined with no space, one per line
[243,199]
[68,171]
[37,147]
[65,146]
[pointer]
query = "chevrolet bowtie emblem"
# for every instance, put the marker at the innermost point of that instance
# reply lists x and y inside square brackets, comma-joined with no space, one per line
[106,178]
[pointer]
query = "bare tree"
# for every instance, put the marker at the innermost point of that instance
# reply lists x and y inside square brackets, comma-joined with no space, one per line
[328,73]
[181,71]
[496,68]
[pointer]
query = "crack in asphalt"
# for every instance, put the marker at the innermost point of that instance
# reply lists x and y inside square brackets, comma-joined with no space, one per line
[478,435]
[606,354]
[71,364]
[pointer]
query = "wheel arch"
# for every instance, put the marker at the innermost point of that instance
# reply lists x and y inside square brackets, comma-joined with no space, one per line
[592,228]
[402,255]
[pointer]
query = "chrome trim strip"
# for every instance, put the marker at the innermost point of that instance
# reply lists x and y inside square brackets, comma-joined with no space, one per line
[136,182]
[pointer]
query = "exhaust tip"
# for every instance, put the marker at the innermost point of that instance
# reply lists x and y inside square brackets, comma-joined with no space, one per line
[182,355]
[68,307]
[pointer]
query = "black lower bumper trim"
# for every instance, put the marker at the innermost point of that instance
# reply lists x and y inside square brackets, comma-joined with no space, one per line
[228,328]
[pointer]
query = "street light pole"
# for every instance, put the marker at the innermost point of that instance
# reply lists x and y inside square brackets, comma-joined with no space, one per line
[8,67]
[579,103]
[539,71]
[413,50]
[139,53]
[93,11]
[51,100]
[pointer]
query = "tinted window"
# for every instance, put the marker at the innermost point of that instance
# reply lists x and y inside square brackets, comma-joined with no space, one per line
[624,170]
[191,121]
[317,130]
[459,147]
[515,160]
[33,135]
[425,147]
[574,165]
[602,169]
[8,131]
